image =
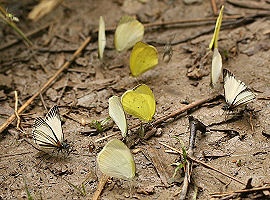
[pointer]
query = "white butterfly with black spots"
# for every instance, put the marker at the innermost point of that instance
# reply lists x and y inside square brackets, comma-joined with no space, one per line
[236,93]
[48,133]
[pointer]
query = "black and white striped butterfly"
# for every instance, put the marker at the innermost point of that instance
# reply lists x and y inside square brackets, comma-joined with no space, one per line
[235,91]
[48,134]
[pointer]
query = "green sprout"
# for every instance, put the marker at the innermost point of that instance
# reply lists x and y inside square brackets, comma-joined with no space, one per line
[182,164]
[100,126]
[81,189]
[27,191]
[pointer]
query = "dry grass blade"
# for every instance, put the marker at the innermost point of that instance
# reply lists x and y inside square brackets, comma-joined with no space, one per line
[3,15]
[43,8]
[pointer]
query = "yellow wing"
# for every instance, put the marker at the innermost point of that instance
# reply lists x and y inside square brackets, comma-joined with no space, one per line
[140,102]
[128,32]
[213,44]
[143,57]
[116,160]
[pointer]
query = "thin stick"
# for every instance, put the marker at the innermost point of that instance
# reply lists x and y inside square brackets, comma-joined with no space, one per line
[214,7]
[107,136]
[43,102]
[102,181]
[185,108]
[202,163]
[175,113]
[179,22]
[16,110]
[240,191]
[29,101]
[16,154]
[15,41]
[41,64]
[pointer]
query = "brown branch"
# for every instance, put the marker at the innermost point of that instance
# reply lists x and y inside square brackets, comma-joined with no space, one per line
[174,114]
[186,108]
[250,4]
[185,21]
[48,83]
[214,7]
[202,163]
[217,194]
[15,41]
[16,110]
[102,181]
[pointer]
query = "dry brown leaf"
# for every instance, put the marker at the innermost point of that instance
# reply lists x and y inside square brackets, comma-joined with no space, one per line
[44,7]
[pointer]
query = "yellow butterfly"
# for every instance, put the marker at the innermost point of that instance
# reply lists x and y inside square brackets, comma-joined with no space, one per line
[140,102]
[128,32]
[143,57]
[217,59]
[116,160]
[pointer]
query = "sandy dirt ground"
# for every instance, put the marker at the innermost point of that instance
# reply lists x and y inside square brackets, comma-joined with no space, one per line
[83,89]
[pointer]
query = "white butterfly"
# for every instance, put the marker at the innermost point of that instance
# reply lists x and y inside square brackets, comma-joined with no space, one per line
[117,114]
[48,133]
[116,160]
[235,91]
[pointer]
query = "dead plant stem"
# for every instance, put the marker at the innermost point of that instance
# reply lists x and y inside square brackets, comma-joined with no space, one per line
[46,85]
[202,163]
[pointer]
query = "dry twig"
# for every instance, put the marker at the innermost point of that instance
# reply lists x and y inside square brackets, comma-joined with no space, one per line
[194,126]
[218,194]
[45,86]
[214,7]
[15,41]
[202,163]
[102,181]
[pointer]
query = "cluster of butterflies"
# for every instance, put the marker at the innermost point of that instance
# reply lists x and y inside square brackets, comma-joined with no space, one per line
[115,159]
[129,33]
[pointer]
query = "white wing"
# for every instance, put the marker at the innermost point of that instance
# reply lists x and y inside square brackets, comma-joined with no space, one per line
[128,32]
[235,91]
[116,160]
[216,67]
[244,97]
[54,121]
[117,113]
[43,134]
[101,37]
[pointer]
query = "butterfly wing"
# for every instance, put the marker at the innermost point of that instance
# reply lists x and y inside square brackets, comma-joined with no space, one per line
[116,160]
[216,67]
[140,102]
[54,121]
[143,58]
[117,113]
[101,37]
[235,91]
[128,32]
[43,134]
[244,97]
